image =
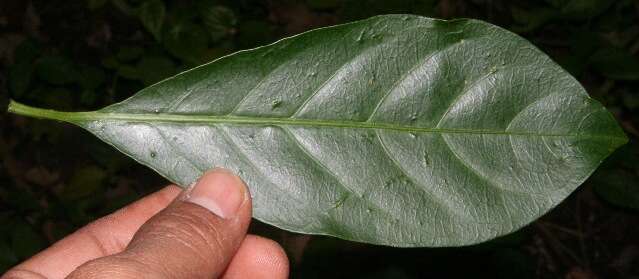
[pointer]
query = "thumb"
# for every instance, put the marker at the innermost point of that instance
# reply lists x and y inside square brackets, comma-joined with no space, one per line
[195,237]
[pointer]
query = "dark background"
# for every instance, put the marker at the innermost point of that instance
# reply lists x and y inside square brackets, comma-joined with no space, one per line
[85,54]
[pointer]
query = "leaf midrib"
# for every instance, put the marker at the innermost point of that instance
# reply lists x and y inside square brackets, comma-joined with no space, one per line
[75,117]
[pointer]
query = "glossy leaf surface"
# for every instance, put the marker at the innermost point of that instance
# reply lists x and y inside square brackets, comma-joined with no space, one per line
[397,130]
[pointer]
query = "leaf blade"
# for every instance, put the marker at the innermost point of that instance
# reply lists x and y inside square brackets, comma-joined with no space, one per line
[372,131]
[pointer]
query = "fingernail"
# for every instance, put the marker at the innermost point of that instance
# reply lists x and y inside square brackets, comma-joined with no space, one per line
[220,191]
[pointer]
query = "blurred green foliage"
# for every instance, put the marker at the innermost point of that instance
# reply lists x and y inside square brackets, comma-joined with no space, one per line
[83,55]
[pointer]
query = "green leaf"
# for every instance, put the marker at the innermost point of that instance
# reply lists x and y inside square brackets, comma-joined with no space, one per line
[152,13]
[396,130]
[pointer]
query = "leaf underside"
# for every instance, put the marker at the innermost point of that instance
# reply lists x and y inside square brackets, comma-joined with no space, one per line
[397,130]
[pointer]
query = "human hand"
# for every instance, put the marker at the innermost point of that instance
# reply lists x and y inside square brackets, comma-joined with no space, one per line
[198,233]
